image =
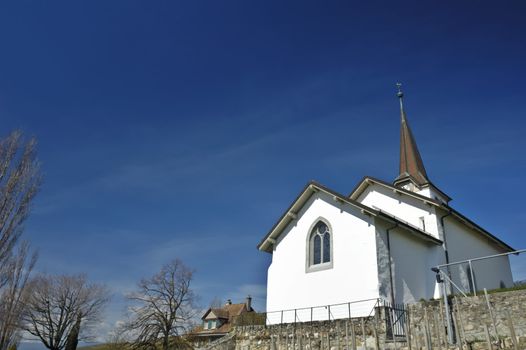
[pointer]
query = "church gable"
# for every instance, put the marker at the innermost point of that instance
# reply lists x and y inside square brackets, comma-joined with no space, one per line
[295,210]
[412,210]
[437,209]
[291,215]
[329,239]
[318,223]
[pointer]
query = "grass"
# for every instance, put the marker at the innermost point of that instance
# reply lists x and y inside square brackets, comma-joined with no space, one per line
[509,289]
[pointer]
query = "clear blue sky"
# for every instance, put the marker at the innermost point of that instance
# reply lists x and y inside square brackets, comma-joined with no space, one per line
[185,128]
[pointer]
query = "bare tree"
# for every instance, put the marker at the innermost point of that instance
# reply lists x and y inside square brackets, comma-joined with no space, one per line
[19,182]
[61,310]
[13,296]
[163,307]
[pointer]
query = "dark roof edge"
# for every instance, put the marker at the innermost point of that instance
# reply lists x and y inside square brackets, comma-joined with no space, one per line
[436,203]
[407,177]
[479,228]
[206,313]
[310,184]
[305,188]
[428,183]
[348,200]
[402,190]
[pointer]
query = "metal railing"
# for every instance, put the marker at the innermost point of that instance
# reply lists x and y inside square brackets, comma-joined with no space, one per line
[359,308]
[462,277]
[393,316]
[473,275]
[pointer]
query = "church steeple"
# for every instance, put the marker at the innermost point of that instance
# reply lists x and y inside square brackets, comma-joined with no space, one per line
[411,164]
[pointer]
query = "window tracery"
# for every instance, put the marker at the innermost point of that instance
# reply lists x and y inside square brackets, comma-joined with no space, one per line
[320,249]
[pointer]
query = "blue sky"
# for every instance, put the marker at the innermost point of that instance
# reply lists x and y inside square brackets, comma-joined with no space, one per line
[184,129]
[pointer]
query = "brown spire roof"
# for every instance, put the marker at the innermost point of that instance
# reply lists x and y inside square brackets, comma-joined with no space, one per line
[411,165]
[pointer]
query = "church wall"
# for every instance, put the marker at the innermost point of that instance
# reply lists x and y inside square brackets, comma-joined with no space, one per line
[353,275]
[402,206]
[382,260]
[430,193]
[465,243]
[411,262]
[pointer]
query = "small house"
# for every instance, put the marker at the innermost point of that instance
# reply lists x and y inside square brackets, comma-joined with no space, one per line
[218,322]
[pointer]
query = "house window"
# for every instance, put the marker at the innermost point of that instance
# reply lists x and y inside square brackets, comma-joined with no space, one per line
[210,324]
[319,247]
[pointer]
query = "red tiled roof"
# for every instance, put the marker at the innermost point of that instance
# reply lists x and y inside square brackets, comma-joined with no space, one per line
[228,312]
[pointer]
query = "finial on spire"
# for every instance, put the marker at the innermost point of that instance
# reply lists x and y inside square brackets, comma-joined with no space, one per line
[400,94]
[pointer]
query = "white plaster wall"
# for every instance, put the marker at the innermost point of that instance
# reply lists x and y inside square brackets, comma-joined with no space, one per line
[411,261]
[352,277]
[402,206]
[465,243]
[431,193]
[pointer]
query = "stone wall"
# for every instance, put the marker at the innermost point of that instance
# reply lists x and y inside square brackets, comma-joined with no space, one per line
[474,320]
[475,326]
[335,334]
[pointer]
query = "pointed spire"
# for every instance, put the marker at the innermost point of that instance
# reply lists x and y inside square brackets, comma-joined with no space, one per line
[411,165]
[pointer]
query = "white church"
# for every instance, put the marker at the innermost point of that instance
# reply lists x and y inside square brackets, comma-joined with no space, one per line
[377,243]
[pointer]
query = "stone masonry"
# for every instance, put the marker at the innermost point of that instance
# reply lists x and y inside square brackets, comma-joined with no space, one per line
[476,326]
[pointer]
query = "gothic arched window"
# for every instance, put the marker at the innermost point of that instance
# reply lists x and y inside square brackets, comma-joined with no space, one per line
[320,246]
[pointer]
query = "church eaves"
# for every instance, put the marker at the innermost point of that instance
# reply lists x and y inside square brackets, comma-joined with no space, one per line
[411,164]
[313,187]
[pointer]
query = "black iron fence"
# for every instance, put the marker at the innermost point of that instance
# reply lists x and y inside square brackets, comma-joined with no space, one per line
[396,320]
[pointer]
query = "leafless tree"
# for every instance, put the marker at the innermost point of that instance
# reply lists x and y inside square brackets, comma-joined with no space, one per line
[61,310]
[12,295]
[19,182]
[163,307]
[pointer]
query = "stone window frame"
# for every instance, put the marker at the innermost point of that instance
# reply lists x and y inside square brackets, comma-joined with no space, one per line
[309,256]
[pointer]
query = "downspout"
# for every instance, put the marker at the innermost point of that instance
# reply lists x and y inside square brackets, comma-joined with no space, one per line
[450,325]
[446,253]
[390,264]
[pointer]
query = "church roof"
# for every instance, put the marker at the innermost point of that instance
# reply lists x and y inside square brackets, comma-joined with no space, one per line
[411,169]
[366,181]
[411,164]
[313,187]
